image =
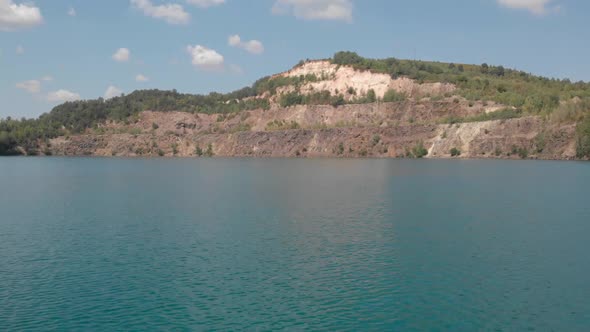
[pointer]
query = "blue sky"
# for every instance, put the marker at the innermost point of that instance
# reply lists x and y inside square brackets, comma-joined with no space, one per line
[56,50]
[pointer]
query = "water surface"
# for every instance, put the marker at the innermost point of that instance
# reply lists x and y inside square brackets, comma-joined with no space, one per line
[161,244]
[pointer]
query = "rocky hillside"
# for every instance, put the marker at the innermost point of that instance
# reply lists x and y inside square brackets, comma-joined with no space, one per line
[329,108]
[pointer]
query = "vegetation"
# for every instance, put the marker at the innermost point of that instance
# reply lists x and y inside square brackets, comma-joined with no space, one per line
[209,153]
[376,139]
[529,93]
[455,152]
[199,151]
[282,125]
[317,98]
[419,151]
[393,96]
[340,149]
[583,138]
[507,113]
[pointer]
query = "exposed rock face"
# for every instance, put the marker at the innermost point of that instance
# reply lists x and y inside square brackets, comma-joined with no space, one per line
[338,79]
[368,130]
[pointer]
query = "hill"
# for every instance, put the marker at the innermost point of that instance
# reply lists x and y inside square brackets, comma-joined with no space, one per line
[380,107]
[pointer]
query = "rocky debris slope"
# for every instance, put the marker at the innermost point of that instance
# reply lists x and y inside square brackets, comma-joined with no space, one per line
[375,130]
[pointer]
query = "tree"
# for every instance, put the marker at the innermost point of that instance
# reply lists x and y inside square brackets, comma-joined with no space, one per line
[498,71]
[485,68]
[371,96]
[347,58]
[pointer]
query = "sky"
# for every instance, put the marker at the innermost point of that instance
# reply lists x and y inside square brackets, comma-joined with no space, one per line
[53,51]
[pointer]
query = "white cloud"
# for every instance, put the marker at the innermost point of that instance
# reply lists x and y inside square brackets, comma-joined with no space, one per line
[205,58]
[206,3]
[236,69]
[62,96]
[252,46]
[20,50]
[112,92]
[537,7]
[315,9]
[171,13]
[141,78]
[72,11]
[18,16]
[122,55]
[32,86]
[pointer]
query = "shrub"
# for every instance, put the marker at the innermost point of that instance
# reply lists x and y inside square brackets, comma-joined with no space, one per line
[419,151]
[371,96]
[340,149]
[209,152]
[198,151]
[455,152]
[583,138]
[376,140]
[540,142]
[155,126]
[282,125]
[290,99]
[392,96]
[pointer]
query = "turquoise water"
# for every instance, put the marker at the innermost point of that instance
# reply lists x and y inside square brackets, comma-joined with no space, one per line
[230,244]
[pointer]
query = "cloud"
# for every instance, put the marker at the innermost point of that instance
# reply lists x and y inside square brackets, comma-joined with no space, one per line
[112,92]
[251,46]
[62,96]
[315,9]
[122,55]
[32,86]
[141,78]
[236,69]
[14,17]
[171,13]
[205,58]
[206,3]
[20,50]
[72,11]
[537,7]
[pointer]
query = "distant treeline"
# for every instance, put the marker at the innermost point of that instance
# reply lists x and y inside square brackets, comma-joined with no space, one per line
[77,116]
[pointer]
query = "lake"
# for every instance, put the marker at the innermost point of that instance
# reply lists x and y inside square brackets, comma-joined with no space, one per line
[293,244]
